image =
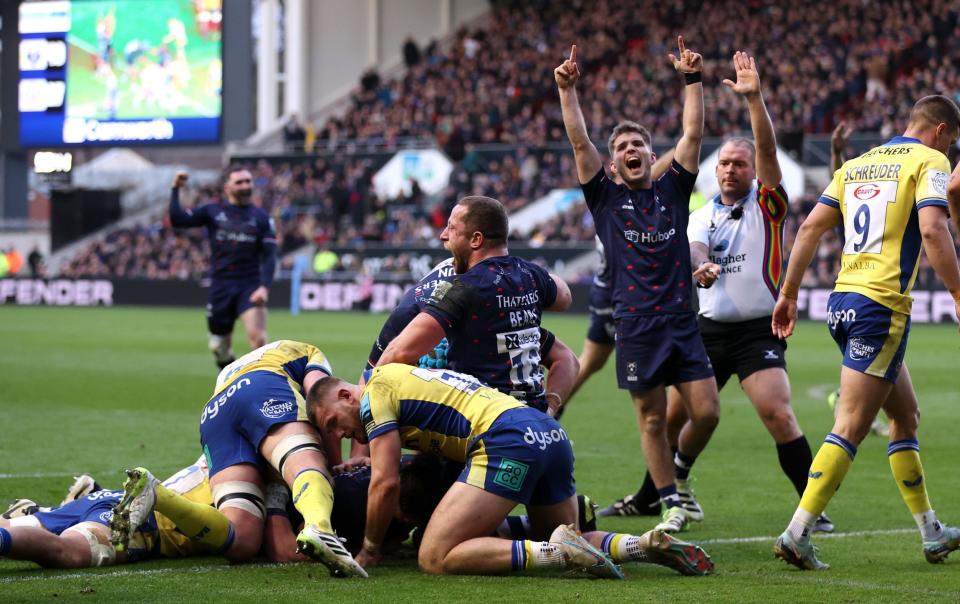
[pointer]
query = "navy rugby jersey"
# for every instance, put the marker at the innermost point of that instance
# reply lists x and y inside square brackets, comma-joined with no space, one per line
[491,315]
[644,235]
[242,239]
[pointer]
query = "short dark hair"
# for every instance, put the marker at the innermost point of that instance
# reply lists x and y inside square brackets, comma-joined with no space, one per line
[424,480]
[487,215]
[936,109]
[232,169]
[743,142]
[628,126]
[320,389]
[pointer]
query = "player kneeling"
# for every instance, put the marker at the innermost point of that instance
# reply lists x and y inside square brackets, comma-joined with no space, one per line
[513,454]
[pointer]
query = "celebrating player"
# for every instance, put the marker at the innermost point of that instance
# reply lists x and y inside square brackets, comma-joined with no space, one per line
[513,454]
[490,311]
[890,200]
[243,246]
[642,224]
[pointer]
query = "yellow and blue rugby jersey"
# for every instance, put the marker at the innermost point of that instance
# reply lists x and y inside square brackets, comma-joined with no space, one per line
[288,358]
[435,410]
[879,194]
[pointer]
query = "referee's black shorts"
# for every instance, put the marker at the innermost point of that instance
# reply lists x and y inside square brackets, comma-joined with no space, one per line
[744,347]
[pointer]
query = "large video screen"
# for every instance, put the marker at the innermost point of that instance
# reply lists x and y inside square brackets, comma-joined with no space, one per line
[120,72]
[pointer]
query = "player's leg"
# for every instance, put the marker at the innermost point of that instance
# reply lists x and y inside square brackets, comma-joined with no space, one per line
[592,359]
[35,544]
[254,321]
[904,456]
[654,547]
[220,319]
[294,450]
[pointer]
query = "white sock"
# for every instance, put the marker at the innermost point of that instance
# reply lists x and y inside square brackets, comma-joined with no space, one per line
[930,527]
[622,547]
[543,554]
[800,524]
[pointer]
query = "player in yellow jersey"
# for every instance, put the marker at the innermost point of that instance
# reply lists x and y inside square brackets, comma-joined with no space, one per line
[513,454]
[254,424]
[890,201]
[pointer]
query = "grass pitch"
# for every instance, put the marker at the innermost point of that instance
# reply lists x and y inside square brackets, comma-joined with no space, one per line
[98,390]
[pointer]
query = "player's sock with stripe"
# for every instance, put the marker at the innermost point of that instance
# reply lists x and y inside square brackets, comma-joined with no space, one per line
[527,555]
[313,498]
[201,523]
[827,471]
[6,541]
[682,464]
[514,527]
[907,470]
[795,459]
[622,547]
[647,494]
[669,497]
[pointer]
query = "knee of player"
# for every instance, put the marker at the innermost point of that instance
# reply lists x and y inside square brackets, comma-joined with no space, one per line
[706,416]
[430,561]
[244,547]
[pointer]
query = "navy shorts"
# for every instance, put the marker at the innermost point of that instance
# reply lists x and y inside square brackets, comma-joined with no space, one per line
[660,350]
[525,456]
[602,328]
[237,419]
[743,347]
[872,337]
[227,301]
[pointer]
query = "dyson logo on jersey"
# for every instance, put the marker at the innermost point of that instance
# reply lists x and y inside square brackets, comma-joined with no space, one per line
[542,439]
[274,409]
[835,317]
[213,407]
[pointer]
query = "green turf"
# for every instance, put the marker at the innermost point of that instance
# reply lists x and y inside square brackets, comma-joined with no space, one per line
[98,390]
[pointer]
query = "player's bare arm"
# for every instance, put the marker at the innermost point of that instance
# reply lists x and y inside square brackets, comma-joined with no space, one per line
[820,220]
[383,495]
[562,369]
[585,153]
[690,65]
[838,145]
[953,198]
[564,297]
[417,339]
[660,166]
[938,244]
[748,85]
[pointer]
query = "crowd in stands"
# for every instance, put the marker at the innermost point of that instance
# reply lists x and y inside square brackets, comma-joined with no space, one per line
[819,62]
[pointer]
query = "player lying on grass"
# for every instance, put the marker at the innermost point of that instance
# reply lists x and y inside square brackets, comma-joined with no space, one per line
[513,454]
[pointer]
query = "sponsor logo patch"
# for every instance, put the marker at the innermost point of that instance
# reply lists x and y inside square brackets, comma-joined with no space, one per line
[859,350]
[511,474]
[274,409]
[938,182]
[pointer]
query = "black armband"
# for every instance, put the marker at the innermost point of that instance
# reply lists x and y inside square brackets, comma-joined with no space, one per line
[693,78]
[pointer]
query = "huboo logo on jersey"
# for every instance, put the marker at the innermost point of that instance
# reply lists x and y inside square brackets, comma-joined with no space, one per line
[213,407]
[867,191]
[542,439]
[860,350]
[652,237]
[274,409]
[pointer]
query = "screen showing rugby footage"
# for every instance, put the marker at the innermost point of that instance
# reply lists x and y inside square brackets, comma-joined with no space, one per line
[120,72]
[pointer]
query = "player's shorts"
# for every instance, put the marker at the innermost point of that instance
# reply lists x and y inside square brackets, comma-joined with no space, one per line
[227,301]
[235,421]
[743,347]
[602,329]
[95,507]
[525,456]
[656,350]
[872,337]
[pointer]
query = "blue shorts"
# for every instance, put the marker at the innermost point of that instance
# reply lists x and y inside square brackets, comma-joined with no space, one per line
[235,421]
[227,301]
[525,456]
[602,328]
[659,350]
[872,337]
[95,507]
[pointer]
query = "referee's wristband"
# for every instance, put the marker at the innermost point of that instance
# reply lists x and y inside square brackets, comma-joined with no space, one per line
[790,290]
[693,78]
